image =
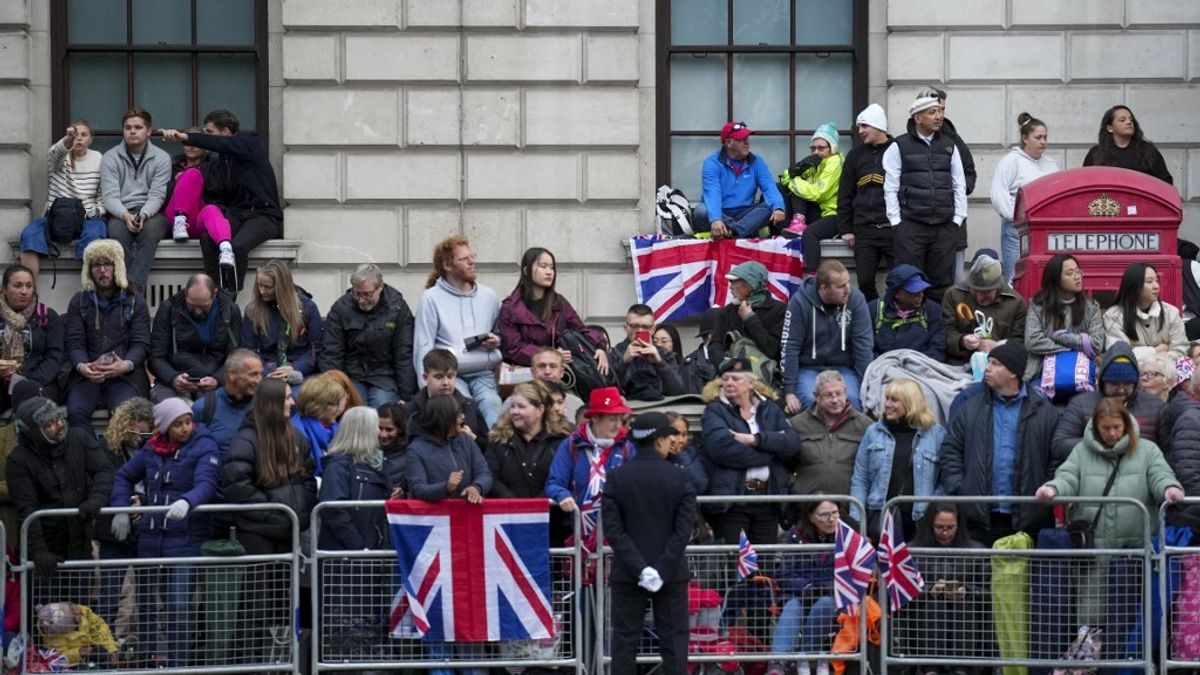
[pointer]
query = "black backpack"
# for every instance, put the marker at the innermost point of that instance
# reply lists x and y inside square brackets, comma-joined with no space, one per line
[64,219]
[583,375]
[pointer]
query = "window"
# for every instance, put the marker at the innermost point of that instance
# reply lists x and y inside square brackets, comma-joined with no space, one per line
[178,59]
[785,67]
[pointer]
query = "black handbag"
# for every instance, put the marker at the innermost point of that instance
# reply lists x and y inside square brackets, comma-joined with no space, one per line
[1083,532]
[64,219]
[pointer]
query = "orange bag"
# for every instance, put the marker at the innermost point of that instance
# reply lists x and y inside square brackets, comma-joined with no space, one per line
[846,640]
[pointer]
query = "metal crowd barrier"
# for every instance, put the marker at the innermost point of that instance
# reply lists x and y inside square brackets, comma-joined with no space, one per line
[1015,608]
[355,597]
[736,621]
[215,613]
[1178,579]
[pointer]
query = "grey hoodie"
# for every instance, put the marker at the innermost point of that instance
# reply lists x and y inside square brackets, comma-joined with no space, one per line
[819,336]
[126,188]
[447,316]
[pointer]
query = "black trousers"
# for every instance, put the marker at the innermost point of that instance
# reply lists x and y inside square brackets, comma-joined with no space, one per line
[825,228]
[248,231]
[670,605]
[760,521]
[871,245]
[931,249]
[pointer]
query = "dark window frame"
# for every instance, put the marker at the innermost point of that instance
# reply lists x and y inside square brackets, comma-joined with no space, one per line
[664,50]
[61,49]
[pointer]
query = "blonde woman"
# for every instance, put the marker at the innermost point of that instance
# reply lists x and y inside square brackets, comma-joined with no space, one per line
[898,456]
[282,325]
[319,405]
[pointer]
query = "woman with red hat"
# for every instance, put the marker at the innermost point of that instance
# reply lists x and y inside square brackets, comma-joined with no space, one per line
[581,463]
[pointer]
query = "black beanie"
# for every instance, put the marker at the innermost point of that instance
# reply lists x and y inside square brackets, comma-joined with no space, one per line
[1011,355]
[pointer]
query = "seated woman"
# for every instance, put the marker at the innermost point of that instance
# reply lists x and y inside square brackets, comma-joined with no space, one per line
[807,622]
[190,205]
[282,325]
[1122,144]
[666,337]
[179,468]
[1140,318]
[812,187]
[74,174]
[898,457]
[1062,318]
[32,337]
[534,315]
[956,589]
[320,403]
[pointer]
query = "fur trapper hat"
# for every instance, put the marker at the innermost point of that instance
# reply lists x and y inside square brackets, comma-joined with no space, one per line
[103,249]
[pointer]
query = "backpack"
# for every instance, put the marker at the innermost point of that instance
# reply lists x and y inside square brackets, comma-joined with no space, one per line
[64,219]
[674,212]
[583,375]
[739,346]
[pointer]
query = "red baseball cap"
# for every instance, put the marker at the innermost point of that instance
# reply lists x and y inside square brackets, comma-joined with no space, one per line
[735,130]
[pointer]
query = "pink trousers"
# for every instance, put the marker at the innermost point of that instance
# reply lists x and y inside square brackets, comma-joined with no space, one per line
[200,216]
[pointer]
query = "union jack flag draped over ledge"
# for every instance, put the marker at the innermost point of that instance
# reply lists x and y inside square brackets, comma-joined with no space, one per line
[679,278]
[472,572]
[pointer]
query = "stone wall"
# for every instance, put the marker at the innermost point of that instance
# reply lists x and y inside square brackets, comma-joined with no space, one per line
[515,123]
[24,94]
[1063,61]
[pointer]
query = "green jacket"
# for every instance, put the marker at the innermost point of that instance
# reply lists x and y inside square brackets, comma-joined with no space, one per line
[1144,475]
[819,185]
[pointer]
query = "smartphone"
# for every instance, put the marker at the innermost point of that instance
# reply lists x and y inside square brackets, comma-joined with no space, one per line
[106,359]
[474,342]
[193,380]
[642,336]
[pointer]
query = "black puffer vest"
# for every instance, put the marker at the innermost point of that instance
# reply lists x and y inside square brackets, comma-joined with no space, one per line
[926,186]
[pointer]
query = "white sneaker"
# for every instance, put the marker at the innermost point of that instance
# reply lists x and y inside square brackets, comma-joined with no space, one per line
[822,668]
[225,259]
[179,231]
[802,668]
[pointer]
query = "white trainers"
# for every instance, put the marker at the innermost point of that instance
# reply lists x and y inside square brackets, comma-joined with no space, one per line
[225,259]
[822,668]
[179,231]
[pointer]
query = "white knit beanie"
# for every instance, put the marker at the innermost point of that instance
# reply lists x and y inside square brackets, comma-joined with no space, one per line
[873,116]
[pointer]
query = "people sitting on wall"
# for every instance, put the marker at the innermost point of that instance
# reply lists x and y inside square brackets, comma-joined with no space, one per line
[904,318]
[535,315]
[459,314]
[731,180]
[74,203]
[107,336]
[1140,318]
[830,431]
[440,373]
[827,325]
[198,184]
[1063,319]
[224,409]
[753,312]
[369,336]
[251,201]
[1122,144]
[32,337]
[982,311]
[812,186]
[282,325]
[862,216]
[1023,164]
[193,333]
[644,372]
[133,180]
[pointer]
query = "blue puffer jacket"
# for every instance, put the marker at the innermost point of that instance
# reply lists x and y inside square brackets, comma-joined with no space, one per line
[348,529]
[569,469]
[192,473]
[728,459]
[873,467]
[923,331]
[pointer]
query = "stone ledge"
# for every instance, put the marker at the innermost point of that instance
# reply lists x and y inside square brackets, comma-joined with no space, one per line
[174,256]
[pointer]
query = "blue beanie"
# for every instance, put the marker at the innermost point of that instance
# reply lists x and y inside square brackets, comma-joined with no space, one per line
[1121,370]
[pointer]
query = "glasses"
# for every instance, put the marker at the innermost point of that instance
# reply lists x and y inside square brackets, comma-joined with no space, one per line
[945,529]
[102,263]
[1150,375]
[366,296]
[827,515]
[818,148]
[138,432]
[640,326]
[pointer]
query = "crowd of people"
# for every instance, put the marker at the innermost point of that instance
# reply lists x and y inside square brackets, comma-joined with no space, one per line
[279,404]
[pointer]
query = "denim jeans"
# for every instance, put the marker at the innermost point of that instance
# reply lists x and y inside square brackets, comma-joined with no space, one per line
[175,584]
[813,624]
[1010,248]
[744,221]
[375,396]
[139,247]
[481,387]
[807,377]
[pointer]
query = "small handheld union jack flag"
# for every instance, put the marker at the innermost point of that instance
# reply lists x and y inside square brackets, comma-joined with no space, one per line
[853,565]
[897,566]
[747,564]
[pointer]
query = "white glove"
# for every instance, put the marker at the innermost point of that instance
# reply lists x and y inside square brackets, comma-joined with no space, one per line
[120,526]
[650,580]
[178,509]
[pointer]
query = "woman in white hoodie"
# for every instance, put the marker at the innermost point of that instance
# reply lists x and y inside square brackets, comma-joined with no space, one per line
[1023,163]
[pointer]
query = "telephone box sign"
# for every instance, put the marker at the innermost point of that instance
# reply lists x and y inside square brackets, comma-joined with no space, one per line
[1102,241]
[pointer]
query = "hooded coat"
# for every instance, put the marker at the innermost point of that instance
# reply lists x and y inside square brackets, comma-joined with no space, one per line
[764,326]
[373,347]
[522,333]
[239,479]
[921,331]
[826,459]
[192,473]
[816,335]
[819,185]
[96,326]
[569,469]
[1071,424]
[44,475]
[447,316]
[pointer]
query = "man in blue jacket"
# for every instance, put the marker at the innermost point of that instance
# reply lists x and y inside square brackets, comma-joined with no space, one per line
[731,179]
[905,318]
[827,327]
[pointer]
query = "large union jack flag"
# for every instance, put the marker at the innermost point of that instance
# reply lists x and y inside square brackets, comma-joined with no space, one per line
[853,565]
[472,572]
[678,278]
[897,566]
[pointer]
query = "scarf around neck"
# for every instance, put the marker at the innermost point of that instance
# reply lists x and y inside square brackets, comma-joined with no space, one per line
[12,344]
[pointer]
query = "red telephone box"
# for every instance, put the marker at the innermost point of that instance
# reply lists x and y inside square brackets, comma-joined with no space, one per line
[1107,218]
